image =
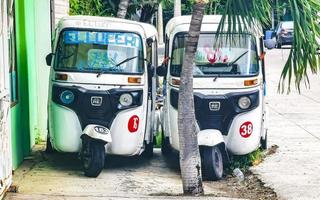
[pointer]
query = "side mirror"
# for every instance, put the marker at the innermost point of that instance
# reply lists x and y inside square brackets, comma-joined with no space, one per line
[162,71]
[270,43]
[149,41]
[49,59]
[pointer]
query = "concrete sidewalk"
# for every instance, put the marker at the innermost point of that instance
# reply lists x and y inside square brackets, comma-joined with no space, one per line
[294,125]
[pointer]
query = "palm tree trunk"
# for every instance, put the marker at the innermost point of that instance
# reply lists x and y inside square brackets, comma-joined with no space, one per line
[190,162]
[210,8]
[177,8]
[160,24]
[122,9]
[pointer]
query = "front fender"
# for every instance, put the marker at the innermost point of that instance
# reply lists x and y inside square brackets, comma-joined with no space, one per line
[98,132]
[209,137]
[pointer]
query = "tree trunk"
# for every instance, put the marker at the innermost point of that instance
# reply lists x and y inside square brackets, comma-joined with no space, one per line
[122,9]
[177,8]
[190,162]
[160,24]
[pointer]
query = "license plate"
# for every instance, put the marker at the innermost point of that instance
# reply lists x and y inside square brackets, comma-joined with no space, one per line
[102,130]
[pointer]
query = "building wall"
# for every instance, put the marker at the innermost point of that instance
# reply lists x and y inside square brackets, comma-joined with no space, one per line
[61,9]
[42,49]
[5,136]
[33,43]
[19,111]
[33,39]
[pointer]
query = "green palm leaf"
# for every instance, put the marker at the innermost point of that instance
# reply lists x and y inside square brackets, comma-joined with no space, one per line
[303,58]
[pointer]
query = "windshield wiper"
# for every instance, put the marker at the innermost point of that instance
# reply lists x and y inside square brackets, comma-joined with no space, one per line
[117,65]
[125,60]
[231,63]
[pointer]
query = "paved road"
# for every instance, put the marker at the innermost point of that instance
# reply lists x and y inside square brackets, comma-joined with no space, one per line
[294,171]
[60,177]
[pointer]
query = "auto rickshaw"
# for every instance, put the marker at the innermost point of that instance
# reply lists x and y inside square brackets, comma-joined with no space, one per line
[102,89]
[229,92]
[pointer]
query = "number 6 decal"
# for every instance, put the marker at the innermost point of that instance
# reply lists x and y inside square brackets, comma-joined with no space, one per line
[246,129]
[133,124]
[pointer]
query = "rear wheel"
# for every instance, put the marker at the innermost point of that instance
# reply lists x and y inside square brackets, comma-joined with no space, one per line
[264,142]
[148,151]
[49,148]
[165,145]
[212,163]
[93,157]
[279,45]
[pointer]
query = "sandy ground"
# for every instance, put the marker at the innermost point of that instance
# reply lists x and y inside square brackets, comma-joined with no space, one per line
[294,171]
[60,176]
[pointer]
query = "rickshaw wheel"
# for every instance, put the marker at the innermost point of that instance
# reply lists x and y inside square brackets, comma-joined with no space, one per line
[93,157]
[148,151]
[264,142]
[212,163]
[165,145]
[49,148]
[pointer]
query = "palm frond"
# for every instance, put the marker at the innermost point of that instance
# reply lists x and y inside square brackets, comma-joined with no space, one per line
[244,12]
[303,56]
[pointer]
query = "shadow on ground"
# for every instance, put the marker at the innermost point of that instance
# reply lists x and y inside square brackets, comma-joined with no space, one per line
[60,176]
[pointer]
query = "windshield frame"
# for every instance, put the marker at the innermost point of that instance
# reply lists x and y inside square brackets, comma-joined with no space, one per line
[215,75]
[95,72]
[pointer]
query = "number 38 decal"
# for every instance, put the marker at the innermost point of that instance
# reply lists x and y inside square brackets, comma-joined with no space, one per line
[246,129]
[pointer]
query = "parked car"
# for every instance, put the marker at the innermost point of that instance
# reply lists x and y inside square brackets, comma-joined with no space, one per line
[284,33]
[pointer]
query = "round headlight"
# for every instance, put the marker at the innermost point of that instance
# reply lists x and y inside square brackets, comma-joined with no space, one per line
[244,102]
[67,97]
[126,99]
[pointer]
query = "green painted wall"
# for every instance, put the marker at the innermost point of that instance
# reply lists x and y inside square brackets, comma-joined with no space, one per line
[19,113]
[28,117]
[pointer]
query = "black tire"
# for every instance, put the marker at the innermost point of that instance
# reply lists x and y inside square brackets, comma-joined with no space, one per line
[279,45]
[212,163]
[49,148]
[148,151]
[93,157]
[165,145]
[264,142]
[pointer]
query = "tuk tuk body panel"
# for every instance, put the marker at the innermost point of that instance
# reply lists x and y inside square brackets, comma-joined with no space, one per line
[242,140]
[67,121]
[66,130]
[124,141]
[232,133]
[218,87]
[85,79]
[129,126]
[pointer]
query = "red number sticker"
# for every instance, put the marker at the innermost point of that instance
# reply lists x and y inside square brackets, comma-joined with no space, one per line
[246,129]
[133,124]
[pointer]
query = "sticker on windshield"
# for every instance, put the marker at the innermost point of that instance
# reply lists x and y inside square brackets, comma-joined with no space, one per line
[102,38]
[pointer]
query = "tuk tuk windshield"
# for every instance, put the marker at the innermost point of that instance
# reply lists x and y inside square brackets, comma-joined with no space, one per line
[107,52]
[236,56]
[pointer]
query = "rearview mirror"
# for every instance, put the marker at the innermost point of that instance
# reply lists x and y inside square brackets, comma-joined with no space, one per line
[49,59]
[150,41]
[162,71]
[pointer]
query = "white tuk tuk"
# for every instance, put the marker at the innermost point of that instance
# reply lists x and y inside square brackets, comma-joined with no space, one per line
[102,89]
[229,92]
